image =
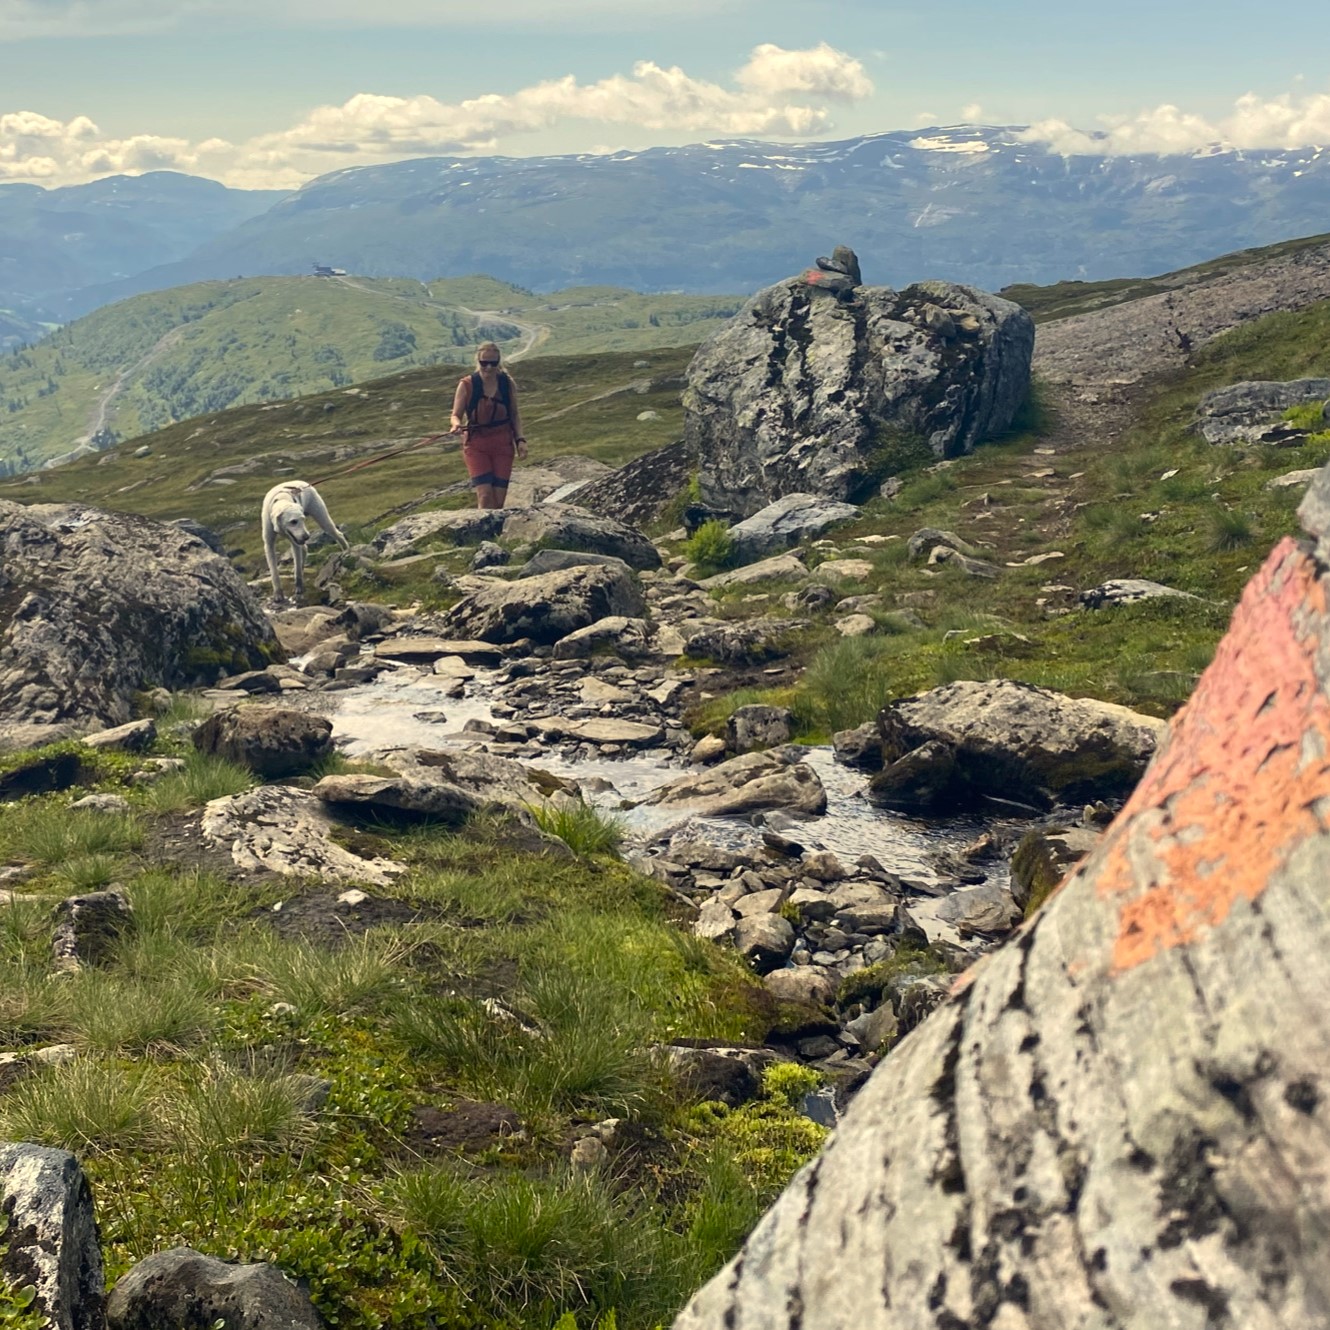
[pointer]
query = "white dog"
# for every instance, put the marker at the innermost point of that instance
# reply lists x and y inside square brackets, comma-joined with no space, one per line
[285,508]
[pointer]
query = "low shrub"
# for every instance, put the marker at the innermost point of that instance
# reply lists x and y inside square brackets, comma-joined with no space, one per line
[711,548]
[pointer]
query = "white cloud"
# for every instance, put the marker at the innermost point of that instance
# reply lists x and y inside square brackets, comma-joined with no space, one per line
[1288,121]
[779,93]
[972,114]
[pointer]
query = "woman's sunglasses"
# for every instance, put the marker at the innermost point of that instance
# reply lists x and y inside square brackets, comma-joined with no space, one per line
[489,364]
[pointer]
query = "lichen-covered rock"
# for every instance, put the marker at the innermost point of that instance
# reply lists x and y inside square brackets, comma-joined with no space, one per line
[998,739]
[88,928]
[758,726]
[186,1290]
[1119,1118]
[50,1240]
[1252,411]
[546,608]
[806,393]
[282,830]
[97,606]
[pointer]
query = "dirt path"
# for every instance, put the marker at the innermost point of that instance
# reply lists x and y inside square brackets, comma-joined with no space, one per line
[636,386]
[102,407]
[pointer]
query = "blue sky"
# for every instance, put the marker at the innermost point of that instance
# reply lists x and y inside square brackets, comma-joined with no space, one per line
[273,92]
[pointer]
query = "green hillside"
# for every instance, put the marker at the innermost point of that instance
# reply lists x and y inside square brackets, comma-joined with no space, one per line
[216,468]
[148,362]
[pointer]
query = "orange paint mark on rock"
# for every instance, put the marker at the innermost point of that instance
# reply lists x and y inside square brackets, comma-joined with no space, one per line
[1231,794]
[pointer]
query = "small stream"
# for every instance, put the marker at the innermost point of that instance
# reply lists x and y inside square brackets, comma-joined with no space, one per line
[404,708]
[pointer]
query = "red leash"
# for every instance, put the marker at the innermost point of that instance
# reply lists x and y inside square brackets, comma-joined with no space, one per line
[382,457]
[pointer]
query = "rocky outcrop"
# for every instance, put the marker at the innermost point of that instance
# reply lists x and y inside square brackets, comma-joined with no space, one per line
[640,490]
[807,392]
[544,609]
[1120,1118]
[96,606]
[182,1287]
[947,749]
[281,830]
[50,1241]
[1252,412]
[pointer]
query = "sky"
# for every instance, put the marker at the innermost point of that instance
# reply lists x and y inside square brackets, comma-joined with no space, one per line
[272,93]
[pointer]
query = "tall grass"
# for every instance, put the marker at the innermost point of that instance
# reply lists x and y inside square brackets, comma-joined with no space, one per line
[584,828]
[711,549]
[204,777]
[50,834]
[520,1244]
[86,1105]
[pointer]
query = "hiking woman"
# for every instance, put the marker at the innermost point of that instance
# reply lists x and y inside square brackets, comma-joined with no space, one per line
[485,414]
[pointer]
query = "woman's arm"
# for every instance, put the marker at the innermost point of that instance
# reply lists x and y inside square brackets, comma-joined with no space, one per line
[461,400]
[516,417]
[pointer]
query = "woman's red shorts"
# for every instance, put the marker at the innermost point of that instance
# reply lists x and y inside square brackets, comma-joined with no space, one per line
[488,453]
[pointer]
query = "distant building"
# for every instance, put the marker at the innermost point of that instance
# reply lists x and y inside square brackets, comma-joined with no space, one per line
[322,270]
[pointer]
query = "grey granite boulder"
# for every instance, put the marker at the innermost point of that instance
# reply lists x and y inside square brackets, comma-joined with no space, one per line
[746,784]
[1007,741]
[546,608]
[186,1290]
[758,726]
[786,522]
[565,527]
[803,393]
[50,1242]
[97,606]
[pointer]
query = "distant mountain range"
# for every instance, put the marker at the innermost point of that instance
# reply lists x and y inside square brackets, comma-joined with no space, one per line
[972,204]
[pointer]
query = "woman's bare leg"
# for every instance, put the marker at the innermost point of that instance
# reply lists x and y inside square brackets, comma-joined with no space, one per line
[485,496]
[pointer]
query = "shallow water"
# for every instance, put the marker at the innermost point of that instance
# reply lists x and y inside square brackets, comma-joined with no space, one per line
[385,713]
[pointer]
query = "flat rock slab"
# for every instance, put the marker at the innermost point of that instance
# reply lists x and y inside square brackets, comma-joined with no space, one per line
[610,731]
[778,566]
[437,801]
[792,518]
[288,831]
[420,650]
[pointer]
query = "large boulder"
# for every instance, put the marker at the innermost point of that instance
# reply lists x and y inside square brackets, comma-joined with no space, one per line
[186,1290]
[564,527]
[96,606]
[946,749]
[803,392]
[49,1242]
[1119,1119]
[270,741]
[546,608]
